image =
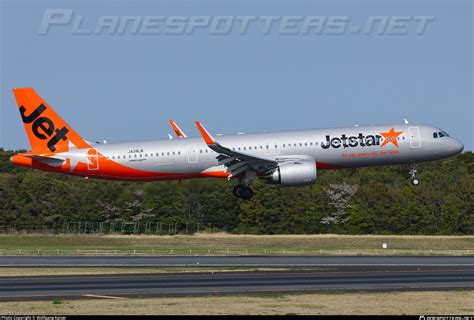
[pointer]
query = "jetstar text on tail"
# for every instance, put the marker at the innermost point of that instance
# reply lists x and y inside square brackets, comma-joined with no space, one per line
[43,128]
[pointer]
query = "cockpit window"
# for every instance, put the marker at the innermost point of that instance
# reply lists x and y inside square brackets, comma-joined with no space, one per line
[443,134]
[440,134]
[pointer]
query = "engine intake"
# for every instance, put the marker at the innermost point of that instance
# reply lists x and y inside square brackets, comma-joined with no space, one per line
[298,173]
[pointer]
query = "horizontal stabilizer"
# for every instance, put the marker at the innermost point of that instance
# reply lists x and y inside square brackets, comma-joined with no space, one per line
[55,162]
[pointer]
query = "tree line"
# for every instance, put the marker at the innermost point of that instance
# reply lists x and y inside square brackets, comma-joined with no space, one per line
[350,201]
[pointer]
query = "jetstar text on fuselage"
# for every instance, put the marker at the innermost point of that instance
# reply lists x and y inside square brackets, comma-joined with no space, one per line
[352,141]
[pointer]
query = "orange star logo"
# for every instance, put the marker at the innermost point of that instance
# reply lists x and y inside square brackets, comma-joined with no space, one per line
[391,136]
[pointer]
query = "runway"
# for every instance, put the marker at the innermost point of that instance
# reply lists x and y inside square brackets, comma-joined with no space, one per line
[232,261]
[340,273]
[186,284]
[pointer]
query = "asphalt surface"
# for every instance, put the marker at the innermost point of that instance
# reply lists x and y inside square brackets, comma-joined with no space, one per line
[232,261]
[148,285]
[341,273]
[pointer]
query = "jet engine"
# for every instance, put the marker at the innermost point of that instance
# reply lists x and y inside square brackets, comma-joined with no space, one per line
[298,173]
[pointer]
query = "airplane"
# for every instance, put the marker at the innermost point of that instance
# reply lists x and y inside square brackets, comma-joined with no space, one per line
[290,158]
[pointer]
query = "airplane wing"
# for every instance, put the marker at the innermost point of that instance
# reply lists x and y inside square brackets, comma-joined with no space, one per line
[177,130]
[236,162]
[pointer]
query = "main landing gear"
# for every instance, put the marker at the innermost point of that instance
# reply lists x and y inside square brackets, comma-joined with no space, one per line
[414,180]
[243,192]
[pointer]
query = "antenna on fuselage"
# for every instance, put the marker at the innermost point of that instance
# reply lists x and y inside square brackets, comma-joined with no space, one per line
[406,121]
[170,136]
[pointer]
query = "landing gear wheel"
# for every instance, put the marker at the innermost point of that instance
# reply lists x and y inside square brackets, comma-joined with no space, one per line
[242,192]
[246,193]
[235,190]
[412,172]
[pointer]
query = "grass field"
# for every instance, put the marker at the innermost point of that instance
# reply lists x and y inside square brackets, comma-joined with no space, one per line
[415,303]
[225,244]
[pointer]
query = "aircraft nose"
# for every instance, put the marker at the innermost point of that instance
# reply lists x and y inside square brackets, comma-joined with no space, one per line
[456,146]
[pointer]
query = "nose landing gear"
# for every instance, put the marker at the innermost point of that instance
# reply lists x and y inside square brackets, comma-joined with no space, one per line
[242,192]
[414,180]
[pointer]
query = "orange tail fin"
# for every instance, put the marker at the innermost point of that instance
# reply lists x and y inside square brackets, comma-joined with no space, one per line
[46,130]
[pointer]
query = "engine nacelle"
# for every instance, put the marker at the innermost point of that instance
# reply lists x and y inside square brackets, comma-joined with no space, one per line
[298,173]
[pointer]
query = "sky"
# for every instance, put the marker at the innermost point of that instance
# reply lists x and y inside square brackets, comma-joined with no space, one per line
[125,86]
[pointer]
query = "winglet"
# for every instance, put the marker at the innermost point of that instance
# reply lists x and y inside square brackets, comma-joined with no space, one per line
[177,130]
[205,134]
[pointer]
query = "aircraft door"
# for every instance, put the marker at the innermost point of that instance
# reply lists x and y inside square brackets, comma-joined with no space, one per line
[415,141]
[192,154]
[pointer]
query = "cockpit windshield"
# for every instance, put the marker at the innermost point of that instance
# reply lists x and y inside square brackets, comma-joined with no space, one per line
[443,134]
[440,134]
